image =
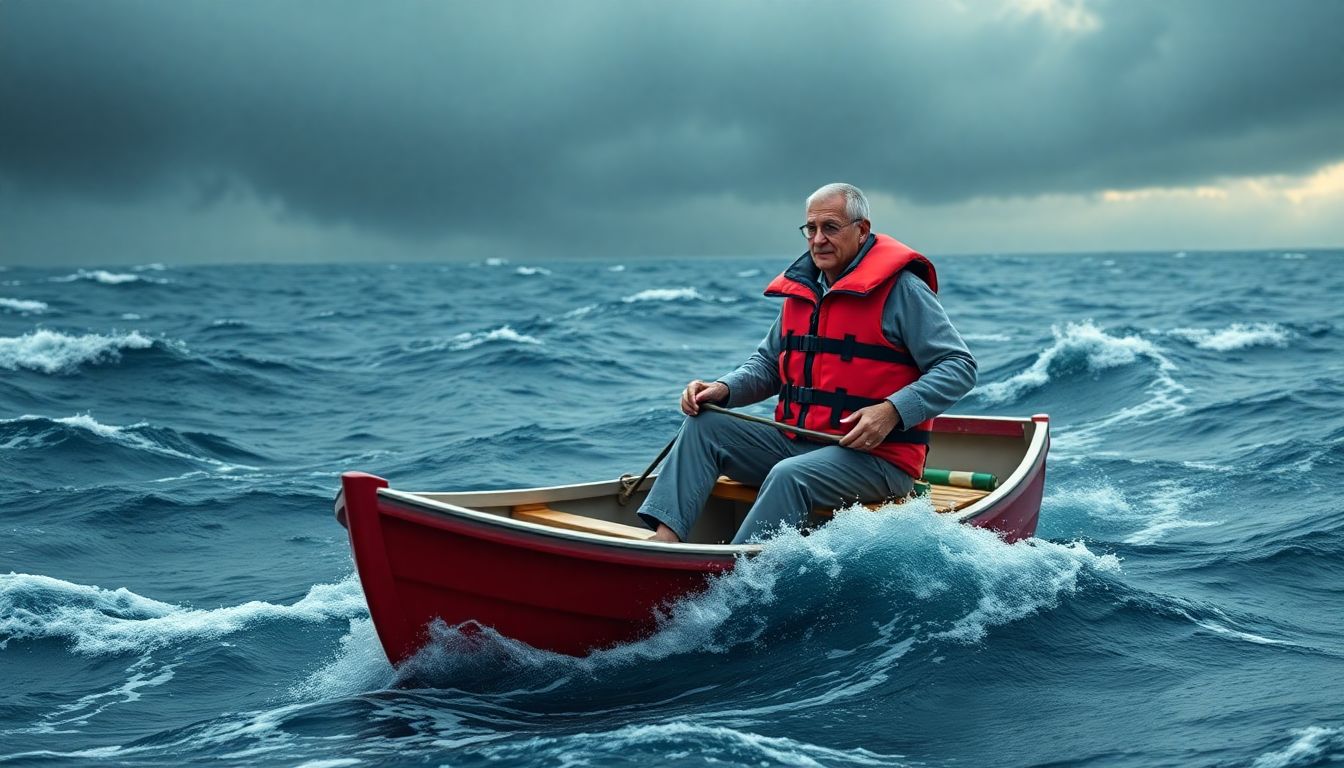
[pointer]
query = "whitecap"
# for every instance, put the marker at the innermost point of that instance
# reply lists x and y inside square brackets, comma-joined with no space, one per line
[464,341]
[495,261]
[1099,349]
[49,351]
[95,621]
[929,554]
[581,311]
[1311,746]
[665,294]
[106,278]
[616,268]
[532,271]
[24,305]
[1236,336]
[749,273]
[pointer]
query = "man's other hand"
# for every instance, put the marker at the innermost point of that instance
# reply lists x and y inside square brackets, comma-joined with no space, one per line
[870,426]
[698,392]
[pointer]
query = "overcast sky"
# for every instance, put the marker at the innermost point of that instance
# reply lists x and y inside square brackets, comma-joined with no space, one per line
[182,130]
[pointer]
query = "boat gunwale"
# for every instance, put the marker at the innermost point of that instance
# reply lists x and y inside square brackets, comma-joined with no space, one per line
[1033,460]
[526,526]
[1029,464]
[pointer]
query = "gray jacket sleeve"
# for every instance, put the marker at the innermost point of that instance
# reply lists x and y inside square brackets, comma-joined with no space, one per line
[913,318]
[758,377]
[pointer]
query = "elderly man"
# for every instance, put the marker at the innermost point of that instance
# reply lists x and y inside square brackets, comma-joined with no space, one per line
[861,349]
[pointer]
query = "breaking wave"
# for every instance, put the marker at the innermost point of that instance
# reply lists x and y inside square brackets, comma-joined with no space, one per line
[30,432]
[1077,346]
[95,621]
[909,579]
[53,352]
[24,305]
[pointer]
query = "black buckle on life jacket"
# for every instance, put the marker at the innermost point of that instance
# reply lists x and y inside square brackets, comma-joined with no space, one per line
[846,348]
[841,402]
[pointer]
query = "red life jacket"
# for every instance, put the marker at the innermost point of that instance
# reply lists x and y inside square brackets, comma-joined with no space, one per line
[834,358]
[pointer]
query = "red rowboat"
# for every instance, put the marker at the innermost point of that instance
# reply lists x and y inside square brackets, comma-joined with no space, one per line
[568,569]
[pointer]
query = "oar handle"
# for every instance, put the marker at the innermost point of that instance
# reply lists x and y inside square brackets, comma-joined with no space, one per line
[782,427]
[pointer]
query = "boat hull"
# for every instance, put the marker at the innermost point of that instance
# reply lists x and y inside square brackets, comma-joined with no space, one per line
[564,594]
[423,558]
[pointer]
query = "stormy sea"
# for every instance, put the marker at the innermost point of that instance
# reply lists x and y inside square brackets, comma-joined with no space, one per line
[174,589]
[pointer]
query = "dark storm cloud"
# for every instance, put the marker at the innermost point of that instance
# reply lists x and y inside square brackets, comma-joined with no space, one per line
[441,119]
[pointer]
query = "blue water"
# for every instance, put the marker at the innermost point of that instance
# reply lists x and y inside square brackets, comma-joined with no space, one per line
[173,589]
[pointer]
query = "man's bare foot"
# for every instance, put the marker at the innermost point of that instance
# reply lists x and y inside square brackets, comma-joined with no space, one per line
[665,534]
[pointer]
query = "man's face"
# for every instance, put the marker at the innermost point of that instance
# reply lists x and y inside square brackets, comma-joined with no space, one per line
[832,253]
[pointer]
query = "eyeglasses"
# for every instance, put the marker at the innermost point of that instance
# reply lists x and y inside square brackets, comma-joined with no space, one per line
[828,228]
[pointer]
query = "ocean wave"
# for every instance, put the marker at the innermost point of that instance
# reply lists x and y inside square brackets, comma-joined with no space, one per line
[143,674]
[713,744]
[1314,745]
[1076,346]
[666,294]
[29,432]
[53,352]
[872,586]
[528,271]
[464,341]
[1236,336]
[96,622]
[1101,512]
[24,305]
[104,277]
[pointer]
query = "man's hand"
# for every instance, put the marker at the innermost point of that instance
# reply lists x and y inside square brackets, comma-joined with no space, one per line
[870,427]
[698,392]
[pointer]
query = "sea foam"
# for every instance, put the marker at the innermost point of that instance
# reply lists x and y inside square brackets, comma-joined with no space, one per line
[666,294]
[915,578]
[104,277]
[97,621]
[1235,336]
[24,305]
[49,351]
[464,341]
[1315,745]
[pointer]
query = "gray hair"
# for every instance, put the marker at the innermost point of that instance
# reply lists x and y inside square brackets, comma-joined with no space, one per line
[856,203]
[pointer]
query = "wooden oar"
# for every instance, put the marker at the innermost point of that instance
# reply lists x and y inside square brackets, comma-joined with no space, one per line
[782,427]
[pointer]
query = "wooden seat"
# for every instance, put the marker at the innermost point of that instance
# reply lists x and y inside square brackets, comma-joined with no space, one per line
[540,513]
[945,498]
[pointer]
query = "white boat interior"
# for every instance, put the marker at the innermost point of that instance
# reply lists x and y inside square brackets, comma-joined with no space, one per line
[596,507]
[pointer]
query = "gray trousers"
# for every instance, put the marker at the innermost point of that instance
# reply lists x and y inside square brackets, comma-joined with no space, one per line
[794,476]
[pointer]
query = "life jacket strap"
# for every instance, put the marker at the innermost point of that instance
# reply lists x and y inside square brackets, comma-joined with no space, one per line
[847,348]
[839,401]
